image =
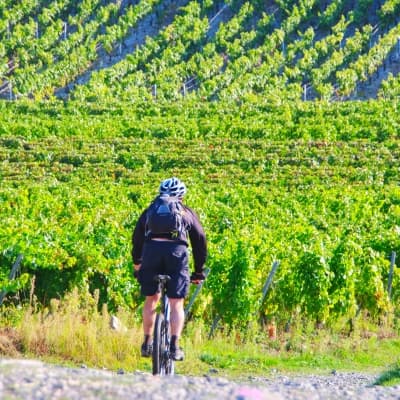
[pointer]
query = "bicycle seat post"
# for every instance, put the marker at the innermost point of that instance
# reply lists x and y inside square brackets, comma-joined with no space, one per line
[162,282]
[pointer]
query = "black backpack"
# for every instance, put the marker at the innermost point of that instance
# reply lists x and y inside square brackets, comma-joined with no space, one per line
[164,218]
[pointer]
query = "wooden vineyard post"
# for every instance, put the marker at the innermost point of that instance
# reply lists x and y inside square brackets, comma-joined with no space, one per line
[390,278]
[13,273]
[195,294]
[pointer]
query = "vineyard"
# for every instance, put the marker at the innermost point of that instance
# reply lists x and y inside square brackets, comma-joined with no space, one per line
[96,50]
[250,103]
[323,202]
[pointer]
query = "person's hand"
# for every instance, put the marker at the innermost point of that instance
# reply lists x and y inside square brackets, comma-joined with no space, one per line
[136,268]
[197,277]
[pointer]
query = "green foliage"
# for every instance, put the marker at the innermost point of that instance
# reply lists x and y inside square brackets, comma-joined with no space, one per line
[390,88]
[390,377]
[217,102]
[210,50]
[312,279]
[313,185]
[233,282]
[343,266]
[370,290]
[14,285]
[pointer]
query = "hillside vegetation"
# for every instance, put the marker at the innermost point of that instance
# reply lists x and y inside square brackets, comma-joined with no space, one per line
[132,50]
[215,95]
[291,185]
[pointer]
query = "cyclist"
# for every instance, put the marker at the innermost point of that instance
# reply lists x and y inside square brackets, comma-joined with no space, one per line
[167,253]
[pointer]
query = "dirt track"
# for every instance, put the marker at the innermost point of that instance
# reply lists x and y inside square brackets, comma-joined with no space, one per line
[29,379]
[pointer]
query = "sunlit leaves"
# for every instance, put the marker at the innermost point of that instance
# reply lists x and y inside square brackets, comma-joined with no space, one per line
[75,179]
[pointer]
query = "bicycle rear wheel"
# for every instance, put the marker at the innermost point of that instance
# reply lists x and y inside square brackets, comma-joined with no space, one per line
[157,345]
[167,367]
[162,361]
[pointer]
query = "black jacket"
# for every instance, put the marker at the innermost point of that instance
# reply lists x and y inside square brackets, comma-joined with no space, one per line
[194,231]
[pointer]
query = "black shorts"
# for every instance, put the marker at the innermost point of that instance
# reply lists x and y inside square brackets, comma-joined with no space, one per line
[168,258]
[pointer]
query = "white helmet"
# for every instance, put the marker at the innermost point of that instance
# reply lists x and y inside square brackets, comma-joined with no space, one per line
[173,187]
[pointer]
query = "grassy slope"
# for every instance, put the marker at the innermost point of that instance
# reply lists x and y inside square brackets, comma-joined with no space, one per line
[73,332]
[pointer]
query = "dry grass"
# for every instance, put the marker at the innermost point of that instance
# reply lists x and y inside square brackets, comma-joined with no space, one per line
[75,331]
[10,342]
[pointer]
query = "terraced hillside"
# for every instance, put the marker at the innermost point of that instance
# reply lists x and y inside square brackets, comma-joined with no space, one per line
[138,49]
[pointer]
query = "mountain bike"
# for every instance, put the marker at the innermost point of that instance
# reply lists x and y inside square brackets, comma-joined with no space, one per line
[163,363]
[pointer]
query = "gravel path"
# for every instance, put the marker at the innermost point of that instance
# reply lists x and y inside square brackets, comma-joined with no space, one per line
[34,380]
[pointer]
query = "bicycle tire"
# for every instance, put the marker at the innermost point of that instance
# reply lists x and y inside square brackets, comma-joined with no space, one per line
[163,364]
[167,367]
[157,345]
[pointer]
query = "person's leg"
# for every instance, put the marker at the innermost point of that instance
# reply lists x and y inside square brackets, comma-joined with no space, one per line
[147,271]
[178,288]
[177,316]
[149,313]
[177,322]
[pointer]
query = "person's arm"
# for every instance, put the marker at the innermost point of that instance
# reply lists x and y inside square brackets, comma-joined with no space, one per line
[198,242]
[138,238]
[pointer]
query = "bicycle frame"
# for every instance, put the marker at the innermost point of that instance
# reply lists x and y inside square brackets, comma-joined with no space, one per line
[163,364]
